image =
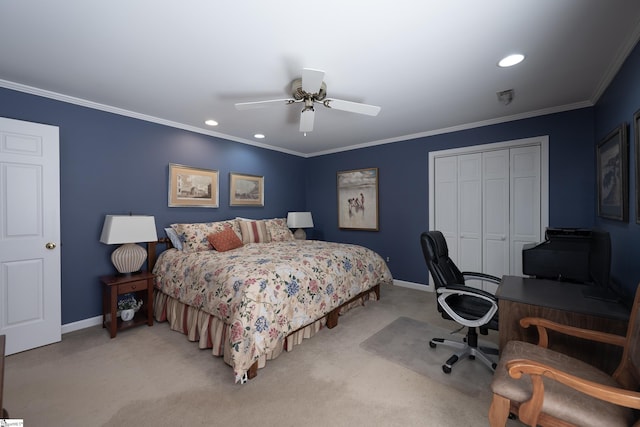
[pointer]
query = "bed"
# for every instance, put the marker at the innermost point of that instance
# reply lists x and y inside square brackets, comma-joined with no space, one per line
[249,290]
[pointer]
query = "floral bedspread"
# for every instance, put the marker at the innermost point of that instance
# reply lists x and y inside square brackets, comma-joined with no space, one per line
[267,290]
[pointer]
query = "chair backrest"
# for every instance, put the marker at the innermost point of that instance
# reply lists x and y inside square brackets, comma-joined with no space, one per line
[628,372]
[436,254]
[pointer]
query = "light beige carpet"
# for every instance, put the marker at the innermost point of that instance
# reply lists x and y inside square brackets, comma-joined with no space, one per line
[152,376]
[405,341]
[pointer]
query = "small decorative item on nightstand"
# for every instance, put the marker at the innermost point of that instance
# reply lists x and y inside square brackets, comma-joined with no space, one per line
[128,305]
[127,314]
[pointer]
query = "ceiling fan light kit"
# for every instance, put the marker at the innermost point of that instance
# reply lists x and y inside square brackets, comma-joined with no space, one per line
[311,89]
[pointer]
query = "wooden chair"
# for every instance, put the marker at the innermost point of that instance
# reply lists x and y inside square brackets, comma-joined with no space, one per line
[547,388]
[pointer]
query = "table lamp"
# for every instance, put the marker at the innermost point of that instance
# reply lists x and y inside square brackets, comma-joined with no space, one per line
[127,230]
[299,220]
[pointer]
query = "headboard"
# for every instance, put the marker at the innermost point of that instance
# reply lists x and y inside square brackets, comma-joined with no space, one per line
[153,250]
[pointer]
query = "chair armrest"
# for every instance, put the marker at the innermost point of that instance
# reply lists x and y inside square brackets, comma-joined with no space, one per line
[481,276]
[543,338]
[468,290]
[446,291]
[615,395]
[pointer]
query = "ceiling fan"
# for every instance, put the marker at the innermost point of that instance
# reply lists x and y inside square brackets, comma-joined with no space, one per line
[310,89]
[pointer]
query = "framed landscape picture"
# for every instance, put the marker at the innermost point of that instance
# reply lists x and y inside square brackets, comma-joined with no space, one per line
[192,187]
[246,190]
[613,175]
[358,199]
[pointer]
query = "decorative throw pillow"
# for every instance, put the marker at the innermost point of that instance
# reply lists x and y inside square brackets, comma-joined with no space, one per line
[194,236]
[254,232]
[278,230]
[224,240]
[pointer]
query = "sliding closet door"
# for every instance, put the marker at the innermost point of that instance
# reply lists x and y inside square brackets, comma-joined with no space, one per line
[496,213]
[489,201]
[445,195]
[469,212]
[525,202]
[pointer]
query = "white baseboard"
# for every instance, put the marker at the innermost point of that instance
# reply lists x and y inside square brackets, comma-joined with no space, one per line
[81,324]
[413,285]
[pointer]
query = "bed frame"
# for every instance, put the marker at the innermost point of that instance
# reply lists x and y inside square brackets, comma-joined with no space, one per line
[153,250]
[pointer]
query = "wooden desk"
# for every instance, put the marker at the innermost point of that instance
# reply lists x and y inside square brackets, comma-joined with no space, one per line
[565,303]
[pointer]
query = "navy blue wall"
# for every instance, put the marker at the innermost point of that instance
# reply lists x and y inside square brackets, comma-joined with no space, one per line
[111,164]
[617,105]
[403,184]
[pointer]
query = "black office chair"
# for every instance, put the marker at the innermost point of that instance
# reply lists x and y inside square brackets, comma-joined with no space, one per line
[470,307]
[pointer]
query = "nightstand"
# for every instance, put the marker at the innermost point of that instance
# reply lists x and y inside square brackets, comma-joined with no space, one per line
[140,284]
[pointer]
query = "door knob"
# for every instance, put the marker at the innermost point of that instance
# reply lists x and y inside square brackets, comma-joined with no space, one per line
[50,245]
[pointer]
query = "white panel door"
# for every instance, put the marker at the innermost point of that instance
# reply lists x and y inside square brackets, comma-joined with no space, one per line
[470,214]
[446,202]
[526,227]
[495,207]
[30,312]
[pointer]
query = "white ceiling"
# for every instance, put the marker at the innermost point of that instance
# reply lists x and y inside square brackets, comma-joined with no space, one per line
[430,64]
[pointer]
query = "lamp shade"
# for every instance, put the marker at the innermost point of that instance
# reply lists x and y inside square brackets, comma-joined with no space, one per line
[128,230]
[299,220]
[118,229]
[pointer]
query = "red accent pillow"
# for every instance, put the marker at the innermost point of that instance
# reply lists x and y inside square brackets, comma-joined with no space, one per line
[224,240]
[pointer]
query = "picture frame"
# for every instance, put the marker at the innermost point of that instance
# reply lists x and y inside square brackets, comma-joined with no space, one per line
[613,175]
[193,187]
[636,126]
[358,199]
[246,190]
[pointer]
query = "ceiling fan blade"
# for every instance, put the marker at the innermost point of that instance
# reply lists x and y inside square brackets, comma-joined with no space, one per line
[261,104]
[306,120]
[312,80]
[352,107]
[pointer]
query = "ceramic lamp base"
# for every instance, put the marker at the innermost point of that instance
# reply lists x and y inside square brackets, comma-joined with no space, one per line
[128,258]
[300,234]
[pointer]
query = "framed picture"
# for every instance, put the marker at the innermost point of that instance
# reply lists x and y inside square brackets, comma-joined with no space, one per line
[358,199]
[636,132]
[246,190]
[192,187]
[613,175]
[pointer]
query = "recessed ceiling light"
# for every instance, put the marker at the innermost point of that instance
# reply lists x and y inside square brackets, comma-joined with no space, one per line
[511,60]
[211,123]
[258,136]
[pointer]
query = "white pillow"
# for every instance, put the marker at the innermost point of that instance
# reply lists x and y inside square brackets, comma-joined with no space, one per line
[173,236]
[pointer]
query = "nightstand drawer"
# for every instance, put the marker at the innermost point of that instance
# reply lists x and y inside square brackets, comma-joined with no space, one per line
[138,285]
